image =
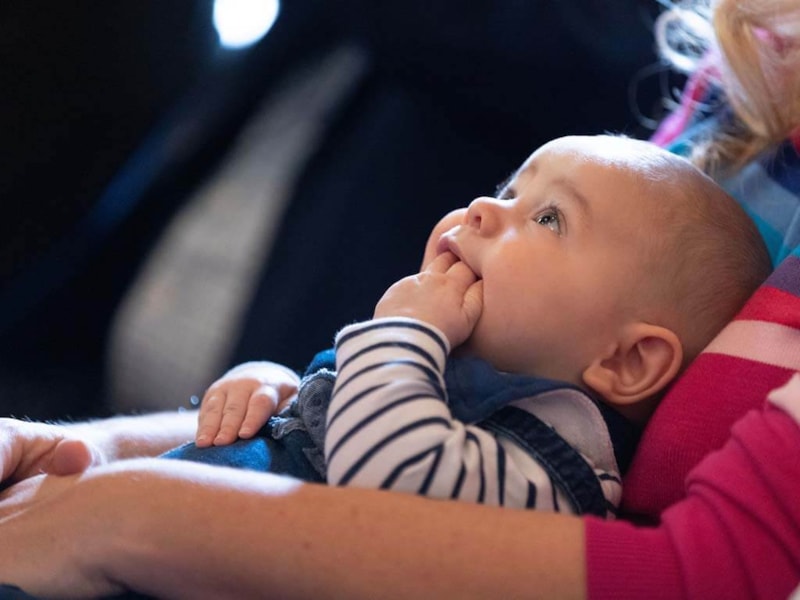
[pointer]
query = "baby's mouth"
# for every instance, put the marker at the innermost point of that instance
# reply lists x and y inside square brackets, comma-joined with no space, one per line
[449,243]
[445,242]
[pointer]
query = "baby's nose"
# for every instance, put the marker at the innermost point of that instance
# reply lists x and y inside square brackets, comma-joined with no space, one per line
[483,214]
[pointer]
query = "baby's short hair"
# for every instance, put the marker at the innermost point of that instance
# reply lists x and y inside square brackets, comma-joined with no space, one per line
[710,257]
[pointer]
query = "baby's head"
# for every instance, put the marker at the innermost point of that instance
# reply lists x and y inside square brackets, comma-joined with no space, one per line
[606,262]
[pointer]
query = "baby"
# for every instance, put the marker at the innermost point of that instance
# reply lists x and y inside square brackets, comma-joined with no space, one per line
[518,367]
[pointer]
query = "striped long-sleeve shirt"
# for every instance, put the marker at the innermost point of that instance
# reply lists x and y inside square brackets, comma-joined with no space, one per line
[389,426]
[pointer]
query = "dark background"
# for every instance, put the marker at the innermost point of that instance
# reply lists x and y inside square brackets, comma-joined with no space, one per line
[111,112]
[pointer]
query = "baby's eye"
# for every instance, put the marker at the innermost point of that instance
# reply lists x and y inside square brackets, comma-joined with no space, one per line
[550,219]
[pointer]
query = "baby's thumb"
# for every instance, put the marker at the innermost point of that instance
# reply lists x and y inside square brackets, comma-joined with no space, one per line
[73,456]
[473,302]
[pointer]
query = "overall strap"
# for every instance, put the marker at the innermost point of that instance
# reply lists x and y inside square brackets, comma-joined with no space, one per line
[563,463]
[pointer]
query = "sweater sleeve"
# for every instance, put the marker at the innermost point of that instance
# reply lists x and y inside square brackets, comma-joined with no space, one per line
[389,426]
[736,534]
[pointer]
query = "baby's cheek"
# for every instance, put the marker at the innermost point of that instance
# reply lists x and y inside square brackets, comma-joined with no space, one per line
[487,338]
[510,329]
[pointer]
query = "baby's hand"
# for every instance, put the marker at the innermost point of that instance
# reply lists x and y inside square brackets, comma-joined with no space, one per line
[447,294]
[238,404]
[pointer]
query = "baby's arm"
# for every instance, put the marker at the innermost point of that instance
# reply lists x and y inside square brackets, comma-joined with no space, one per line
[445,294]
[389,425]
[239,403]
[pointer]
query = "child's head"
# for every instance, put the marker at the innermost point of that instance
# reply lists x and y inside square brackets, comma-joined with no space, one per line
[606,262]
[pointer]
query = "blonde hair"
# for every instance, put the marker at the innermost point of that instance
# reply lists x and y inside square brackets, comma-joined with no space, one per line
[755,47]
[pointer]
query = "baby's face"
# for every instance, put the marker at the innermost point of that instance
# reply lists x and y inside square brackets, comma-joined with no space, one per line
[559,252]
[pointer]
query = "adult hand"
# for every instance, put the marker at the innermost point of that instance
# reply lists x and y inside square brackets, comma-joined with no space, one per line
[28,449]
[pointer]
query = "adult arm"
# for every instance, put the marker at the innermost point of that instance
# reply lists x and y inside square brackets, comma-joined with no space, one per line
[735,535]
[174,529]
[150,524]
[28,449]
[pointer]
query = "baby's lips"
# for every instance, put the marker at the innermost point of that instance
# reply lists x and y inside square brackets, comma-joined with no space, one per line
[443,245]
[447,243]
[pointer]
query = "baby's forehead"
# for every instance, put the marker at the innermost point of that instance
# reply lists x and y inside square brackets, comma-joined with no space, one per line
[619,153]
[614,171]
[631,173]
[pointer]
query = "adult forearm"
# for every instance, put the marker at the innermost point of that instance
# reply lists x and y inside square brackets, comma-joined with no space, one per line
[138,435]
[185,530]
[735,535]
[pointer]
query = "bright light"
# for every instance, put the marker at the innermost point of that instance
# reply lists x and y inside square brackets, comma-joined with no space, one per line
[241,23]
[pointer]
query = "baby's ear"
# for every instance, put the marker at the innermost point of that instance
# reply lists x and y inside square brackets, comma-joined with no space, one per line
[645,359]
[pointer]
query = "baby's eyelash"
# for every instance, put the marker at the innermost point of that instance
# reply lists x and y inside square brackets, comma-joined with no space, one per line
[552,210]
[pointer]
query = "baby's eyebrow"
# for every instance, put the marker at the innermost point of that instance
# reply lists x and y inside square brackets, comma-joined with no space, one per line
[503,189]
[580,200]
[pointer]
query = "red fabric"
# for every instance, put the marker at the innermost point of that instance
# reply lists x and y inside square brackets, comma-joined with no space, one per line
[773,305]
[730,520]
[696,415]
[735,535]
[693,419]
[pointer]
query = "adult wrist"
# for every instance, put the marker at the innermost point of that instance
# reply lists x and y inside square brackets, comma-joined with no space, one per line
[136,436]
